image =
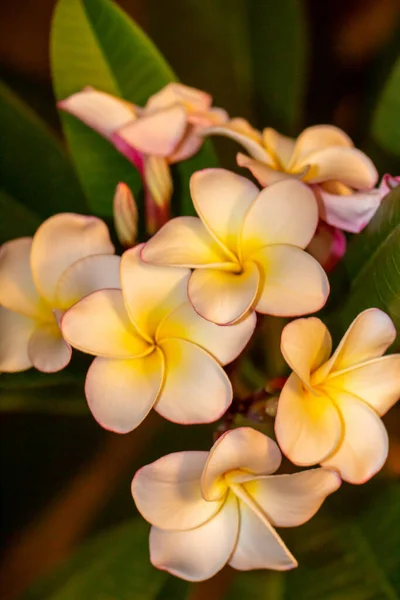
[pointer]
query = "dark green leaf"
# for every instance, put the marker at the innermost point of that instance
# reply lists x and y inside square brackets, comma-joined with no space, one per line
[16,220]
[386,123]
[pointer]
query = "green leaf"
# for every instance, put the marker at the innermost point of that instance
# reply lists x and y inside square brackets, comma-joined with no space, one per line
[34,168]
[115,565]
[386,123]
[16,219]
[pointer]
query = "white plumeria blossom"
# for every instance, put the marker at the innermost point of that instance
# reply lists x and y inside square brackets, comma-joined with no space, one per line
[69,257]
[246,248]
[153,349]
[330,407]
[209,509]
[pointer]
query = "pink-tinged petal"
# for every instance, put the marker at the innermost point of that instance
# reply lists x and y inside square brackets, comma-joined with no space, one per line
[243,448]
[174,93]
[16,331]
[86,276]
[305,345]
[246,136]
[291,500]
[47,349]
[328,246]
[17,289]
[294,283]
[350,212]
[99,111]
[184,242]
[151,292]
[284,213]
[120,393]
[196,388]
[59,242]
[99,325]
[126,215]
[317,138]
[377,382]
[280,146]
[157,133]
[209,118]
[265,174]
[364,447]
[307,426]
[224,343]
[222,297]
[348,165]
[167,492]
[197,554]
[189,146]
[221,199]
[369,336]
[388,183]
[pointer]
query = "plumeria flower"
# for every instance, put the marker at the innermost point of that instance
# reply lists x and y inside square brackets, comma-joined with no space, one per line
[125,215]
[69,256]
[209,509]
[329,410]
[152,349]
[165,131]
[246,248]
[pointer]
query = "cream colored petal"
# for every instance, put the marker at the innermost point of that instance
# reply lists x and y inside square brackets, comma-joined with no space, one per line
[317,138]
[17,288]
[364,447]
[222,297]
[265,174]
[86,276]
[348,165]
[351,212]
[377,382]
[221,199]
[189,146]
[99,325]
[307,426]
[243,448]
[184,242]
[280,146]
[99,111]
[294,283]
[196,389]
[158,179]
[47,349]
[305,345]
[16,331]
[291,500]
[59,242]
[249,139]
[284,213]
[224,343]
[174,93]
[151,292]
[167,492]
[197,554]
[121,393]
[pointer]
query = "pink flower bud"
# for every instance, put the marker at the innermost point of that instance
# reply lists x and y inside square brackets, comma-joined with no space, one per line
[125,215]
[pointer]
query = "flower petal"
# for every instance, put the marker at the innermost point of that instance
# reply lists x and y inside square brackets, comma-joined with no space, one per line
[265,174]
[349,212]
[16,331]
[99,111]
[174,93]
[197,554]
[151,292]
[280,146]
[167,492]
[189,146]
[294,283]
[364,447]
[99,325]
[221,199]
[328,246]
[196,389]
[86,276]
[47,349]
[317,138]
[307,426]
[224,343]
[184,242]
[121,393]
[241,448]
[347,165]
[223,297]
[246,136]
[284,213]
[291,500]
[60,241]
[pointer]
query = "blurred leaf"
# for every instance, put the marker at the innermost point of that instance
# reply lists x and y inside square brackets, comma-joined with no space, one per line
[349,551]
[279,47]
[16,219]
[33,165]
[386,123]
[113,566]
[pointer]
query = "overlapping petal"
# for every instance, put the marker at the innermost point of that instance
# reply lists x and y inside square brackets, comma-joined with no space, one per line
[265,174]
[317,138]
[175,93]
[348,165]
[47,349]
[280,146]
[16,330]
[349,212]
[242,133]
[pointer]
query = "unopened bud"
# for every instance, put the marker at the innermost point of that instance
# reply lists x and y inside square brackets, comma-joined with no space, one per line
[125,215]
[159,187]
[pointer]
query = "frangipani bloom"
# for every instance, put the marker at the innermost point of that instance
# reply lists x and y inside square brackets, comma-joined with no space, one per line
[69,256]
[152,349]
[329,410]
[165,131]
[212,508]
[245,248]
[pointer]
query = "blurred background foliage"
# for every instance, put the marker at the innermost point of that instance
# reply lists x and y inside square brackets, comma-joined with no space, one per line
[281,63]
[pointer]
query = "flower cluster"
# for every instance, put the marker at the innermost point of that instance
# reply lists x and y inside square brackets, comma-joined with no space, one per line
[165,318]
